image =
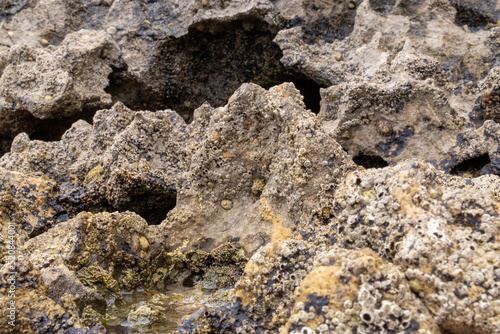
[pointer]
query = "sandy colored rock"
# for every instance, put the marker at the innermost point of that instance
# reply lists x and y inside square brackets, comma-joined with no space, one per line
[356,289]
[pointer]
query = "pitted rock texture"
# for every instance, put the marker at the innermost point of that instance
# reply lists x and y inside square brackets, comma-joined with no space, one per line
[403,84]
[38,83]
[310,166]
[356,289]
[234,157]
[407,233]
[56,83]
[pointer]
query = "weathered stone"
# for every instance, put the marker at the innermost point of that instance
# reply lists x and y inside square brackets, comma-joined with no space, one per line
[57,82]
[245,189]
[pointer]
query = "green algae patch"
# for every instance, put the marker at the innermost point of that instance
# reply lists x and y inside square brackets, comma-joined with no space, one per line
[220,268]
[95,275]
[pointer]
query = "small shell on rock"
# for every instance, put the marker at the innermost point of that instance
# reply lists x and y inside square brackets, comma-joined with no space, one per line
[384,128]
[111,30]
[144,243]
[226,204]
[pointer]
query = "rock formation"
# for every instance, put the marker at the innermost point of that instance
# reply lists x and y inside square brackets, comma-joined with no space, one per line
[272,166]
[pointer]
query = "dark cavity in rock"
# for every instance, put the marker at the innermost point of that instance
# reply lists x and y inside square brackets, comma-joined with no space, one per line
[152,206]
[212,61]
[310,90]
[126,88]
[491,168]
[54,129]
[5,143]
[370,161]
[44,129]
[209,64]
[471,167]
[475,14]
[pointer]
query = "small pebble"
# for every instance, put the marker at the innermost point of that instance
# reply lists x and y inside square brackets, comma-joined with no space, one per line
[226,204]
[111,30]
[384,128]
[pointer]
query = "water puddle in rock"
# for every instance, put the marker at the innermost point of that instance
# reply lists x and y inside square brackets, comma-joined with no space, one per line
[139,309]
[158,312]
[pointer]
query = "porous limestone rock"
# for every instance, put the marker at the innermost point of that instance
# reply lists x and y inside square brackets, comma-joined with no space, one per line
[405,233]
[152,162]
[356,289]
[406,79]
[441,231]
[75,265]
[260,136]
[56,82]
[239,189]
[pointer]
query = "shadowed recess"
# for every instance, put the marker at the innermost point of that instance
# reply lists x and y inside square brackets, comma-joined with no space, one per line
[150,201]
[153,207]
[310,90]
[44,129]
[471,167]
[208,65]
[475,14]
[54,129]
[5,143]
[370,161]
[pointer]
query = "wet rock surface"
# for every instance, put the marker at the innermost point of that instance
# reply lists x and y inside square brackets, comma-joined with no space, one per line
[300,166]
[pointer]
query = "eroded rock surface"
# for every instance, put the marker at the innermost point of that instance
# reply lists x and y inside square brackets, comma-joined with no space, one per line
[300,166]
[406,239]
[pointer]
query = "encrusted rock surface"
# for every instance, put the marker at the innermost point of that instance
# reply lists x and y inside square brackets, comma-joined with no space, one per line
[302,166]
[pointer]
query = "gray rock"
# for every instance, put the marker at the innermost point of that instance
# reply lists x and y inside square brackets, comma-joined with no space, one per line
[190,151]
[56,82]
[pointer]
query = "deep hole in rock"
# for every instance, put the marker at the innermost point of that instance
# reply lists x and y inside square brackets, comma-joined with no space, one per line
[471,167]
[53,129]
[128,89]
[367,317]
[471,15]
[5,143]
[209,64]
[190,281]
[310,91]
[43,129]
[152,206]
[370,161]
